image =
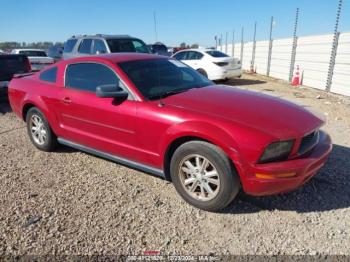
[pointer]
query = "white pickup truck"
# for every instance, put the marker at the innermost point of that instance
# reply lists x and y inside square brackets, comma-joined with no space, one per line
[38,58]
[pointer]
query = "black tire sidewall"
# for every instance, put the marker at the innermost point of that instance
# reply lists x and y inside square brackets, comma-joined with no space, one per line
[51,141]
[229,181]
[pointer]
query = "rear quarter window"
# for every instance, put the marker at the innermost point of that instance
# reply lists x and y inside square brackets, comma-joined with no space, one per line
[49,75]
[216,54]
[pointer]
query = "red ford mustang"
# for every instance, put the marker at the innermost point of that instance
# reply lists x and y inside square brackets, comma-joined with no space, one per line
[158,115]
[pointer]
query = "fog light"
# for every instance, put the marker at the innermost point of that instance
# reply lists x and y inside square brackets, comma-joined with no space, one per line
[273,176]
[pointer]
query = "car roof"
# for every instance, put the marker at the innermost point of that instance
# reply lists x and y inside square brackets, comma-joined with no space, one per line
[197,50]
[102,36]
[117,57]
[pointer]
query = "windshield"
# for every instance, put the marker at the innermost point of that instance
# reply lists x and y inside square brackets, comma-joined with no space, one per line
[127,45]
[33,53]
[215,53]
[160,77]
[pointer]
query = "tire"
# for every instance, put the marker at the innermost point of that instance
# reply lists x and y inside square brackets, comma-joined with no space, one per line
[39,130]
[192,184]
[202,72]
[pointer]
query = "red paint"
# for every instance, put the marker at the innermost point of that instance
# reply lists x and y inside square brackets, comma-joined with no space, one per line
[241,122]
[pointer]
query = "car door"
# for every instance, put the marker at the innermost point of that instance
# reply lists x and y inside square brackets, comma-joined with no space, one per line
[105,124]
[193,59]
[181,56]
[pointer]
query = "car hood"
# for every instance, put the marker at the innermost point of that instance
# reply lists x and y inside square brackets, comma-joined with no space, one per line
[272,115]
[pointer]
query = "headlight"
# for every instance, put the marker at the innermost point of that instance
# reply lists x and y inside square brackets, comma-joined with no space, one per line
[277,151]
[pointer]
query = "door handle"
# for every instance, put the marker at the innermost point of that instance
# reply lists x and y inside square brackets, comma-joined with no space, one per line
[66,100]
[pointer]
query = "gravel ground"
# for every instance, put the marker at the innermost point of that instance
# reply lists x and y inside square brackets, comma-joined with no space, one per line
[69,202]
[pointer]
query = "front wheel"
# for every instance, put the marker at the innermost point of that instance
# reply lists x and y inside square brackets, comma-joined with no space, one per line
[203,175]
[39,130]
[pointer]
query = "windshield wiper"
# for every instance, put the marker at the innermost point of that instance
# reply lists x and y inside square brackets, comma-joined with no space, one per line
[167,93]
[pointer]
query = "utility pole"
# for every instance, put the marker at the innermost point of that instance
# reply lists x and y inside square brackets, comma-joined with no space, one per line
[226,43]
[155,26]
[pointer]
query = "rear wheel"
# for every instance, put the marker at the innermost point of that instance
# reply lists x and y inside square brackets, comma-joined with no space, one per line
[202,72]
[39,130]
[203,175]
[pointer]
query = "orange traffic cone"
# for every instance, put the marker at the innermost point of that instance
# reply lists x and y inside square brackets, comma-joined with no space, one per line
[296,77]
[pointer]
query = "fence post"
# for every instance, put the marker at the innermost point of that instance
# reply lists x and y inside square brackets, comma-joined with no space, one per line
[270,50]
[233,43]
[332,61]
[242,44]
[294,48]
[221,45]
[253,50]
[334,49]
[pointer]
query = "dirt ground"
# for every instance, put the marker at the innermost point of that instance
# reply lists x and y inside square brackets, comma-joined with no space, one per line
[69,202]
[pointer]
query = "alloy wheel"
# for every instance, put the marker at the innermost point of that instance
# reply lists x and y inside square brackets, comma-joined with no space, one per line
[38,129]
[199,177]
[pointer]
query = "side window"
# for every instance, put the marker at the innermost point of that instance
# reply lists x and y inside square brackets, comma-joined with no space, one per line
[180,56]
[99,47]
[140,47]
[69,45]
[194,55]
[197,56]
[88,76]
[85,46]
[49,75]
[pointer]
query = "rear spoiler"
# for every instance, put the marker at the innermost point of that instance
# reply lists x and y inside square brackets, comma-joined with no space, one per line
[23,75]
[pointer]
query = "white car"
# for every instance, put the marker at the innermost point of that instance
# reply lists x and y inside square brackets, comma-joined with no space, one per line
[213,64]
[37,57]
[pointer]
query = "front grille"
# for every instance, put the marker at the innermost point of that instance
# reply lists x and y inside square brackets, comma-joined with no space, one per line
[308,142]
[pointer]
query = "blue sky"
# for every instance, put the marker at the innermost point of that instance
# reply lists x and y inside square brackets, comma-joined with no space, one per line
[190,21]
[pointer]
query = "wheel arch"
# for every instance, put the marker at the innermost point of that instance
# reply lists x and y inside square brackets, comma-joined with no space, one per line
[40,105]
[202,71]
[176,142]
[26,107]
[172,148]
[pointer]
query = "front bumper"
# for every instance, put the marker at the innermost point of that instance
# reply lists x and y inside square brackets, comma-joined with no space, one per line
[304,167]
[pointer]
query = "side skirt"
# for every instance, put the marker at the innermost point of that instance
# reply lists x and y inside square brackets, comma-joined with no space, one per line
[117,159]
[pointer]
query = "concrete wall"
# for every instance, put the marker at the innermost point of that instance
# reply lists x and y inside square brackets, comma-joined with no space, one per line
[341,73]
[313,56]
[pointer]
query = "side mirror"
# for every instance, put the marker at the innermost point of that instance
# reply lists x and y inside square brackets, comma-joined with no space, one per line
[99,52]
[111,91]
